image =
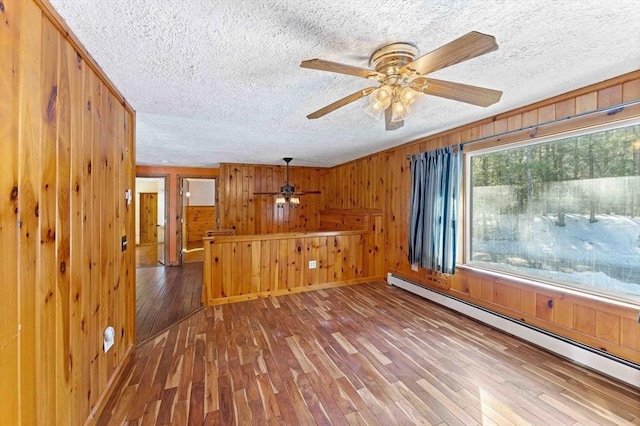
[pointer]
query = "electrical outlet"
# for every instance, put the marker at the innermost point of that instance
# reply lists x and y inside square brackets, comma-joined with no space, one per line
[312,264]
[414,267]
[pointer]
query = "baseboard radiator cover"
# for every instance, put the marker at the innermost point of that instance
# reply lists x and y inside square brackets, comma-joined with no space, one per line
[594,359]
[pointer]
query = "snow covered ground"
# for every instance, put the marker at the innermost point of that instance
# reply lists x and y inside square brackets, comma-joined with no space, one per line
[603,255]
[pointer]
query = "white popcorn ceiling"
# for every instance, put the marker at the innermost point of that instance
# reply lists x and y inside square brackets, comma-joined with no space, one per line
[219,80]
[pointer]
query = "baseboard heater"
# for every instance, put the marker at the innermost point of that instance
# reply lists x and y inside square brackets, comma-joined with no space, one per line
[603,362]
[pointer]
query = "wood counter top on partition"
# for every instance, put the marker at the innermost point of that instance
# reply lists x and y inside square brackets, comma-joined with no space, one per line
[279,236]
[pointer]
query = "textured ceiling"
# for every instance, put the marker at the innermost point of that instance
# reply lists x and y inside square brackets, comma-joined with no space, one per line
[219,80]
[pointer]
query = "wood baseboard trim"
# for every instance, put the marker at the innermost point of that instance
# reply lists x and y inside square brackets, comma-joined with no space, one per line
[116,377]
[282,292]
[440,281]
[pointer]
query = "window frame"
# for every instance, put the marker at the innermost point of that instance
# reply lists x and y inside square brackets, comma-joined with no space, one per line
[464,258]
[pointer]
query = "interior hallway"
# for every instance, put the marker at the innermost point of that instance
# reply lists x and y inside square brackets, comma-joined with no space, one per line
[164,296]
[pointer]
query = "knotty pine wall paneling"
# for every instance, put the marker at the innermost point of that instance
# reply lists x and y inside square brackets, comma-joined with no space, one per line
[9,303]
[251,214]
[246,267]
[29,106]
[600,324]
[346,251]
[200,219]
[67,150]
[382,181]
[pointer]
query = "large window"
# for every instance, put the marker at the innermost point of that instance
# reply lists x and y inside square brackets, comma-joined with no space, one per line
[565,211]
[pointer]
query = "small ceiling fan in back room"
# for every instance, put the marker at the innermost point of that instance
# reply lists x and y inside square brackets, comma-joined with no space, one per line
[400,77]
[287,193]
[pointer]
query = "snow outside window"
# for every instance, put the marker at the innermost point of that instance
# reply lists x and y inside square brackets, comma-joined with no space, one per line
[565,211]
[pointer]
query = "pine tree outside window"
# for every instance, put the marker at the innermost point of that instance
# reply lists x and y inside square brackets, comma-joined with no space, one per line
[563,211]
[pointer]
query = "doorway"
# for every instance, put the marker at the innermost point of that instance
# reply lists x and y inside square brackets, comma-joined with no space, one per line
[198,213]
[150,221]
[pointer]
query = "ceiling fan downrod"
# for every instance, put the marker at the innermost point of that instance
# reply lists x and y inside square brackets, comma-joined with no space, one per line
[287,189]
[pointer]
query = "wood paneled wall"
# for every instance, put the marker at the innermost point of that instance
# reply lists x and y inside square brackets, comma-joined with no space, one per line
[173,174]
[248,267]
[382,181]
[249,214]
[348,219]
[200,219]
[67,152]
[612,327]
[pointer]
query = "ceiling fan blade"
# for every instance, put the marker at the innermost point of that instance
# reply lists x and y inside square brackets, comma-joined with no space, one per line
[475,95]
[461,49]
[342,102]
[306,192]
[267,193]
[322,65]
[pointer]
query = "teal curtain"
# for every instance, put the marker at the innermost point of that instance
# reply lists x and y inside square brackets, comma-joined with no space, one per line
[433,214]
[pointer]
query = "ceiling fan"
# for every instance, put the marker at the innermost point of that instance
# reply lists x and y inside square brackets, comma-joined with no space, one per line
[287,192]
[401,77]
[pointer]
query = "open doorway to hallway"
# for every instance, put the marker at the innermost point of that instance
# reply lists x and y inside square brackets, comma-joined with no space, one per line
[198,204]
[150,217]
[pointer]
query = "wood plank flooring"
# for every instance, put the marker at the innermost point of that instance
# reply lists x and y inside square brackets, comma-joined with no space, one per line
[365,354]
[164,296]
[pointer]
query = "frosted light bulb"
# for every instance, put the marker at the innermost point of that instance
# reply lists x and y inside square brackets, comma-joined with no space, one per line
[374,109]
[383,93]
[378,102]
[398,112]
[408,95]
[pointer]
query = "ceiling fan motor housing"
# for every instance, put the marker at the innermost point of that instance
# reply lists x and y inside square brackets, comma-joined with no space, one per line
[287,190]
[390,58]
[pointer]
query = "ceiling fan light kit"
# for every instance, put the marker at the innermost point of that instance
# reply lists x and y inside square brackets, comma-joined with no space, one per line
[399,98]
[292,201]
[400,77]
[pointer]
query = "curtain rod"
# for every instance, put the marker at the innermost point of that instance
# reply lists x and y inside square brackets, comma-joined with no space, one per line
[611,110]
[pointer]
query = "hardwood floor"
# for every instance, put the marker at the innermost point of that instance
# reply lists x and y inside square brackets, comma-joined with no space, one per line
[365,354]
[165,295]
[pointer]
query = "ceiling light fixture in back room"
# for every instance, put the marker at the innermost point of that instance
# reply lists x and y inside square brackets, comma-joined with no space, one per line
[401,81]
